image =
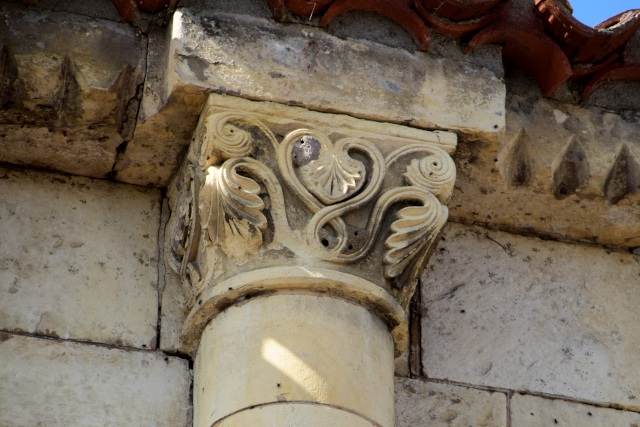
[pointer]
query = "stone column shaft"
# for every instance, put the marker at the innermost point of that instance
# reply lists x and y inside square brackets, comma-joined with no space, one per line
[309,354]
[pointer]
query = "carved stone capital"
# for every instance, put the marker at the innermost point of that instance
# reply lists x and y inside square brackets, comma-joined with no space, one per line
[275,198]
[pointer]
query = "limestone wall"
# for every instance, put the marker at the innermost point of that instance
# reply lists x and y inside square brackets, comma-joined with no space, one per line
[79,306]
[508,329]
[532,331]
[515,330]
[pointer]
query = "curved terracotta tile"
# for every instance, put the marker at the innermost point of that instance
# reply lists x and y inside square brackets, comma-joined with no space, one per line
[580,42]
[460,9]
[455,29]
[613,72]
[277,8]
[397,10]
[578,73]
[628,69]
[126,8]
[306,8]
[155,5]
[524,42]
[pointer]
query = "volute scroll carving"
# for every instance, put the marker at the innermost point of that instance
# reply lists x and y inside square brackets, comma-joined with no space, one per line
[257,191]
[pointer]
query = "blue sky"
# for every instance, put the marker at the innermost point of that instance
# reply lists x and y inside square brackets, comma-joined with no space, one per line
[593,12]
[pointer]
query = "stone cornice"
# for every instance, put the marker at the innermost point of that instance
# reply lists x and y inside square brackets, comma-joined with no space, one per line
[267,187]
[532,32]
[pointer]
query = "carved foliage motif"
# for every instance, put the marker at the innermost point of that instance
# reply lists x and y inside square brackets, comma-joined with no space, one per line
[241,200]
[331,175]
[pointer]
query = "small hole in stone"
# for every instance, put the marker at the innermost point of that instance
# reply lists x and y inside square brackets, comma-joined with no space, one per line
[350,247]
[555,421]
[200,302]
[531,413]
[144,345]
[562,191]
[590,414]
[495,126]
[462,311]
[355,233]
[166,359]
[325,243]
[278,384]
[230,289]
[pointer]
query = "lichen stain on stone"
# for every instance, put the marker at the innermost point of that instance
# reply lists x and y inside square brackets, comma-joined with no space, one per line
[197,66]
[391,86]
[305,150]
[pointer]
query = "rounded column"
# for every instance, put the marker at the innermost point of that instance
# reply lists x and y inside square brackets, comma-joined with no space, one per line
[295,359]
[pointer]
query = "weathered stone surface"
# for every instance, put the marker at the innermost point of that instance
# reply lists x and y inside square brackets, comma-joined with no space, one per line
[527,314]
[561,171]
[305,414]
[78,258]
[79,150]
[297,348]
[104,9]
[426,404]
[173,301]
[173,313]
[60,384]
[258,59]
[532,411]
[224,249]
[67,75]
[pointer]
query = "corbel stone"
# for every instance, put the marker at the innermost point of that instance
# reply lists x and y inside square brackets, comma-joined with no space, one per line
[274,202]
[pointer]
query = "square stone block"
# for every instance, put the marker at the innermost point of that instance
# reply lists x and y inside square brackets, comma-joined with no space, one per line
[59,384]
[78,258]
[427,404]
[527,314]
[532,411]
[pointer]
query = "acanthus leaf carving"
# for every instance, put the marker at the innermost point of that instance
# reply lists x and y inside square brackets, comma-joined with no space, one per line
[223,138]
[415,228]
[343,188]
[239,208]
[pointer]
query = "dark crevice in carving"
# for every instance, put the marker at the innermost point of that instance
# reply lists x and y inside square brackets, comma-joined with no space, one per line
[120,149]
[67,104]
[571,170]
[8,76]
[129,96]
[415,333]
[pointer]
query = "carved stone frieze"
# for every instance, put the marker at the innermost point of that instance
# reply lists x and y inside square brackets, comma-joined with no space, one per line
[266,186]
